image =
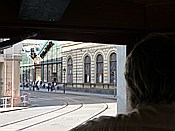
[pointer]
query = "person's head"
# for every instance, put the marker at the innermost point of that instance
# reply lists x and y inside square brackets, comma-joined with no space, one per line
[150,71]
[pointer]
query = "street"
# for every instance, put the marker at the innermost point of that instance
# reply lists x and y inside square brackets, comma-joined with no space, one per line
[57,111]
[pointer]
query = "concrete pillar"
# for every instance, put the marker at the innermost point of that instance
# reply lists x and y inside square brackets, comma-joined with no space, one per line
[1,78]
[7,76]
[16,79]
[11,77]
[121,83]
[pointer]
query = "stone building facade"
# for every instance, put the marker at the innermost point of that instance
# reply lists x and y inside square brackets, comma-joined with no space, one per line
[105,82]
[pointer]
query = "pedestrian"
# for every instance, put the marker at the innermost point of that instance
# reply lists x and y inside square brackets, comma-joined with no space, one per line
[149,74]
[23,85]
[30,85]
[49,86]
[36,85]
[43,86]
[40,84]
[33,85]
[52,86]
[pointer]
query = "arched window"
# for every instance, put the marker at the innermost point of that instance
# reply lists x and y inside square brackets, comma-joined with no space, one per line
[99,69]
[70,71]
[87,69]
[113,68]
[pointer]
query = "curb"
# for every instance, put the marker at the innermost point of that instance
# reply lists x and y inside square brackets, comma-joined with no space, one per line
[13,110]
[75,93]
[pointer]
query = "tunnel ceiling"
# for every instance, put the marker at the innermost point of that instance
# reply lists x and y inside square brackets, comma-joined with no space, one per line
[104,21]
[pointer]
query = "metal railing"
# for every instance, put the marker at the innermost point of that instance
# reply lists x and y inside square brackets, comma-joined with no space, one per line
[25,98]
[5,102]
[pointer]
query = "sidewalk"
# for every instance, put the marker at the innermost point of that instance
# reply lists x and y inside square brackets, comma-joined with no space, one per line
[76,93]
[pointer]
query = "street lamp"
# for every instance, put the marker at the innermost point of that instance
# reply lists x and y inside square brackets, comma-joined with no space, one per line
[115,89]
[64,71]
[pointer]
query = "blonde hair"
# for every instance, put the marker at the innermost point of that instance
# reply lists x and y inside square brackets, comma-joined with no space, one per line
[149,71]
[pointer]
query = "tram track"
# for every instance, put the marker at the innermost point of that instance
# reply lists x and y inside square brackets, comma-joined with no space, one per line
[65,105]
[52,118]
[72,110]
[40,115]
[97,113]
[60,122]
